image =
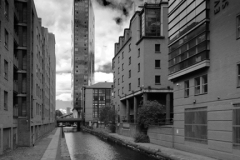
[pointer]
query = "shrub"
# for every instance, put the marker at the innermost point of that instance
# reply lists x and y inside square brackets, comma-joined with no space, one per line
[141,138]
[112,128]
[150,113]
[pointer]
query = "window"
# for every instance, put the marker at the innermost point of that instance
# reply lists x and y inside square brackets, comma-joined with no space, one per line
[122,90]
[138,52]
[5,69]
[122,66]
[201,85]
[157,63]
[186,88]
[6,9]
[238,75]
[129,86]
[0,25]
[138,82]
[118,59]
[157,47]
[196,125]
[236,126]
[122,78]
[118,81]
[5,100]
[122,55]
[129,60]
[6,39]
[118,70]
[129,73]
[157,79]
[238,26]
[129,46]
[138,67]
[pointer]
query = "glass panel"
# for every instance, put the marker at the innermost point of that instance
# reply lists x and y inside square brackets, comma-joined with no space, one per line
[152,22]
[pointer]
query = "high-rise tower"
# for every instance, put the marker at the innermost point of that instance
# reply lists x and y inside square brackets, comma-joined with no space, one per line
[82,48]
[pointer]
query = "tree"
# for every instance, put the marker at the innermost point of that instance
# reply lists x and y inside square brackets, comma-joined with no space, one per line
[107,114]
[151,113]
[58,113]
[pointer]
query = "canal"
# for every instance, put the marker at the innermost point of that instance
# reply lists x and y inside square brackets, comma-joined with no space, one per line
[84,146]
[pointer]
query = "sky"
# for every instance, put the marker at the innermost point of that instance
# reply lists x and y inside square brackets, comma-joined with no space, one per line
[111,18]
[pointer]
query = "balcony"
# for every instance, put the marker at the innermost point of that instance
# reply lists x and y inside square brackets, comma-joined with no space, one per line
[200,65]
[15,86]
[16,38]
[15,61]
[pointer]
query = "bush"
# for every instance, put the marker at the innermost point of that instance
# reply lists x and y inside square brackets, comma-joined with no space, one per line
[141,138]
[112,128]
[150,113]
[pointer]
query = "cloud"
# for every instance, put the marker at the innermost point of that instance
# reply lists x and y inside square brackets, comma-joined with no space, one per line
[63,111]
[102,77]
[64,97]
[106,68]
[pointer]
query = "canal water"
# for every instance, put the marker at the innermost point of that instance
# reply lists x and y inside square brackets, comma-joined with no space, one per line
[84,146]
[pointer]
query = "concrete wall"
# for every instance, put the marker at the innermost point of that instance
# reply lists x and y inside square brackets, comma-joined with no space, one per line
[161,135]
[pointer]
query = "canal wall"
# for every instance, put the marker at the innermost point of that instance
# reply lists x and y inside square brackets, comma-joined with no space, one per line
[156,153]
[161,135]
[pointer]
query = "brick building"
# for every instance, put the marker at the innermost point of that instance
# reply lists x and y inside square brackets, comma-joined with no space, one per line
[27,81]
[140,65]
[204,65]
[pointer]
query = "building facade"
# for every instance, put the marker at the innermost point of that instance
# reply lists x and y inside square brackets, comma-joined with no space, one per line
[83,32]
[25,48]
[204,58]
[140,65]
[95,97]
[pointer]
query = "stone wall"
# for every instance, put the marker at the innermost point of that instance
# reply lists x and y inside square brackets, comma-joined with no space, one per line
[161,135]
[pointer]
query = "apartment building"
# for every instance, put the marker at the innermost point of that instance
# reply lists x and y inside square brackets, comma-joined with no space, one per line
[140,65]
[24,43]
[204,65]
[83,37]
[95,97]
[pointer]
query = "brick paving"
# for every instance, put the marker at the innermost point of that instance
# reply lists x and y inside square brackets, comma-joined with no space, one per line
[30,153]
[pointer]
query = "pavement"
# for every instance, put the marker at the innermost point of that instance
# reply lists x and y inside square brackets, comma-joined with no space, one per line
[30,153]
[50,147]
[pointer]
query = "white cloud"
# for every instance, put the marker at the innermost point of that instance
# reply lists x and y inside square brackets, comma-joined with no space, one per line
[64,97]
[102,77]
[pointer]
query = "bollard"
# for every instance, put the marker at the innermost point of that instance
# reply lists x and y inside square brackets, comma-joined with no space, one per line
[62,132]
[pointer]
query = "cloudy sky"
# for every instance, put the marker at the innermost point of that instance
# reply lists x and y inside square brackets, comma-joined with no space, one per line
[111,17]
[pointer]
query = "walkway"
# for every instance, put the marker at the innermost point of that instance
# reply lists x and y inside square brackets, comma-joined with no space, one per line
[30,153]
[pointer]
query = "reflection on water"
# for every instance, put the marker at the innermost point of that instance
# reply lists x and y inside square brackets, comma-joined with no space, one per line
[84,146]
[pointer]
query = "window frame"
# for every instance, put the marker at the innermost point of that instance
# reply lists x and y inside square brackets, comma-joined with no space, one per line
[5,100]
[139,82]
[195,124]
[129,74]
[157,67]
[238,26]
[129,61]
[159,79]
[139,67]
[236,118]
[186,88]
[156,46]
[122,55]
[238,75]
[6,69]
[201,85]
[129,87]
[138,52]
[6,37]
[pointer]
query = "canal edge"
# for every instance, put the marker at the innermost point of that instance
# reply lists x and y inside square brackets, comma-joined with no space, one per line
[132,145]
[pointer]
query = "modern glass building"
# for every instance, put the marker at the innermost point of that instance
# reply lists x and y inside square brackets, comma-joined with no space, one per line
[188,35]
[82,48]
[96,97]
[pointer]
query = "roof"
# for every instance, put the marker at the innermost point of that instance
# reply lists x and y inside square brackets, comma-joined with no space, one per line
[101,85]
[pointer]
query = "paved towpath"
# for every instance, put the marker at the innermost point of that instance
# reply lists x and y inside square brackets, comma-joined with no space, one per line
[30,153]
